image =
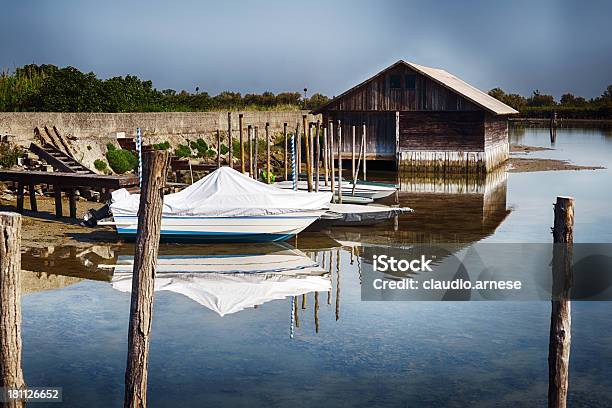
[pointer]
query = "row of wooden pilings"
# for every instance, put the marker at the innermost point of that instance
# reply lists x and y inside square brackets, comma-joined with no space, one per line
[155,166]
[319,148]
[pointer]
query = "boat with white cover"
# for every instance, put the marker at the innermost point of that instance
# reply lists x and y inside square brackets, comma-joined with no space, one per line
[374,191]
[225,206]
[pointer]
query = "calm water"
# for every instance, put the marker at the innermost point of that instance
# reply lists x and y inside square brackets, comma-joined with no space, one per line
[365,353]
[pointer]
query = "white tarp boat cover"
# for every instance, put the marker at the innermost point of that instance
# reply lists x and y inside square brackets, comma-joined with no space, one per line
[227,193]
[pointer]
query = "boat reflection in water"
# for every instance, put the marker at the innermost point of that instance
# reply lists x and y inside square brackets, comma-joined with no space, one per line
[230,279]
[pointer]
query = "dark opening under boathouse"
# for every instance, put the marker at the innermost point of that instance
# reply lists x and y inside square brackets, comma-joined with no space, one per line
[424,119]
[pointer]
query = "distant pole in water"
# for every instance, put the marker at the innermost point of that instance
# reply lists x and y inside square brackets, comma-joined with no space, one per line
[560,319]
[317,154]
[325,155]
[218,148]
[363,143]
[293,164]
[11,372]
[229,139]
[143,280]
[139,150]
[268,167]
[286,153]
[339,130]
[331,159]
[256,163]
[553,127]
[240,126]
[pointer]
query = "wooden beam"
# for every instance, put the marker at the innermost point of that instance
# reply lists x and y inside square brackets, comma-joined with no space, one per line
[72,202]
[250,136]
[255,154]
[268,168]
[229,139]
[317,159]
[331,157]
[57,193]
[11,372]
[20,197]
[240,126]
[560,319]
[155,165]
[32,191]
[339,130]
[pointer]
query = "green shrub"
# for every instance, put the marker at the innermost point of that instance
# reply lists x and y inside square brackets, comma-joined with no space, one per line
[110,147]
[121,161]
[162,146]
[200,146]
[224,149]
[182,151]
[210,153]
[9,154]
[264,176]
[100,165]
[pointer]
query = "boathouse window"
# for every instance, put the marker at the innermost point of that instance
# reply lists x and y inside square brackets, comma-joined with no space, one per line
[410,81]
[395,81]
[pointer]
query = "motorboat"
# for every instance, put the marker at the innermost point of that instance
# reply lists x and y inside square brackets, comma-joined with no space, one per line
[373,191]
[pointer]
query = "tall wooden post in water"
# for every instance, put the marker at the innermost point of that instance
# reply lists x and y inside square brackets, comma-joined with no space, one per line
[308,158]
[317,158]
[11,373]
[268,169]
[218,148]
[363,146]
[560,318]
[286,153]
[339,130]
[240,126]
[325,155]
[331,158]
[155,166]
[250,136]
[229,139]
[255,155]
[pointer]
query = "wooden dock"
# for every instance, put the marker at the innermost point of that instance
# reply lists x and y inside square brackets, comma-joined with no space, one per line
[69,182]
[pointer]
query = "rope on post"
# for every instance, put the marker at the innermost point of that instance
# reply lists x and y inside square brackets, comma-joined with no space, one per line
[292,326]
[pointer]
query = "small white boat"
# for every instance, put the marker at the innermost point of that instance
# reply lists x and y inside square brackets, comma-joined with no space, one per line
[348,215]
[229,283]
[371,191]
[225,206]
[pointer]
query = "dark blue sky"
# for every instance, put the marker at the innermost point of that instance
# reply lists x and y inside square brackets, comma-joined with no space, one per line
[327,46]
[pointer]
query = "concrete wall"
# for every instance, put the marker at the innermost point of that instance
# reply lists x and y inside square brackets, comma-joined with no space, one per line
[88,133]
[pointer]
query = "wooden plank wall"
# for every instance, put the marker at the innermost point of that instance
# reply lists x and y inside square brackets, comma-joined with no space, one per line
[380,132]
[378,95]
[442,131]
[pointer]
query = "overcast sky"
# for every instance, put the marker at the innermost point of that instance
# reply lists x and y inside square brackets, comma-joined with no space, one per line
[326,46]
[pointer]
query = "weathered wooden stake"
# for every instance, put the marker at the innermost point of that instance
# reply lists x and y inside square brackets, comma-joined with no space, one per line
[363,143]
[11,373]
[286,152]
[20,197]
[311,150]
[325,155]
[338,284]
[353,152]
[250,136]
[339,130]
[57,192]
[72,203]
[298,149]
[296,316]
[331,159]
[240,126]
[229,139]
[218,148]
[316,311]
[255,155]
[560,318]
[268,168]
[33,204]
[155,166]
[306,137]
[317,158]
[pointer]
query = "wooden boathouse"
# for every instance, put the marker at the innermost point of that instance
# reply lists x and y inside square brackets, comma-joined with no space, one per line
[424,119]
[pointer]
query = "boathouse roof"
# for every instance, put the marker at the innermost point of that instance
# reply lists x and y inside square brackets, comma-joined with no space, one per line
[444,78]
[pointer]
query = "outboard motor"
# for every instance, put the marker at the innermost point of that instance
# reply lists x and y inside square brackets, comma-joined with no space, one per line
[92,216]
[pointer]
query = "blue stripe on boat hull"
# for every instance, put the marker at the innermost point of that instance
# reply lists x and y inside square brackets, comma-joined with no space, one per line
[181,236]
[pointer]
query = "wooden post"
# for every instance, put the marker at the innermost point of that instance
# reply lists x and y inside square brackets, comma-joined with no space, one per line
[218,148]
[250,136]
[325,155]
[256,168]
[297,150]
[296,316]
[33,204]
[316,311]
[57,192]
[229,139]
[306,137]
[353,153]
[72,202]
[363,143]
[20,196]
[11,373]
[286,153]
[560,319]
[268,169]
[339,130]
[155,165]
[337,285]
[317,158]
[311,150]
[331,158]
[241,125]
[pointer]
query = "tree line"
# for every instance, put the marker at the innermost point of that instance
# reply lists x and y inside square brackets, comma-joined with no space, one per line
[540,105]
[47,88]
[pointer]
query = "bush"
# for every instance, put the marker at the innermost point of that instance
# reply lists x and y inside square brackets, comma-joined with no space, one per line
[9,154]
[210,153]
[100,165]
[162,146]
[182,151]
[264,176]
[200,147]
[121,161]
[224,149]
[110,147]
